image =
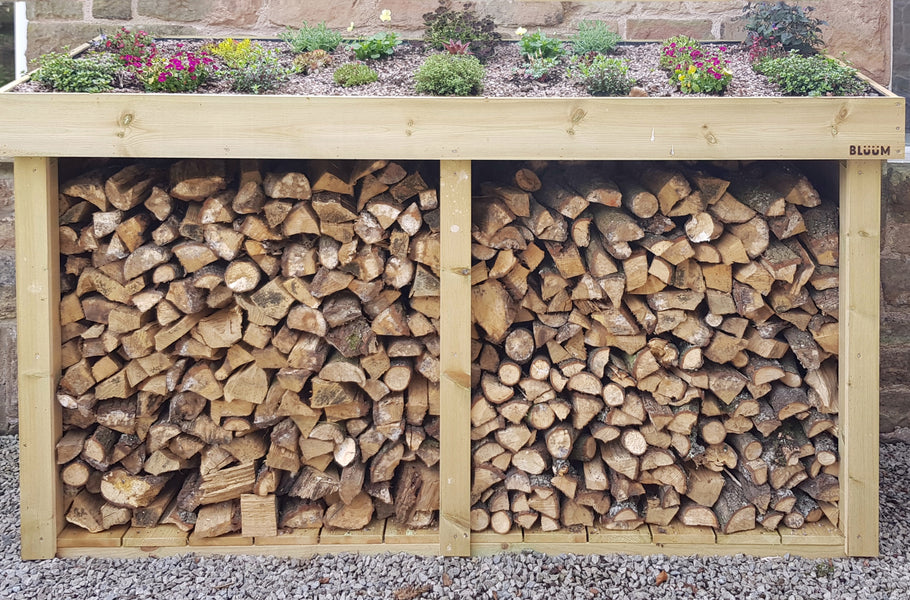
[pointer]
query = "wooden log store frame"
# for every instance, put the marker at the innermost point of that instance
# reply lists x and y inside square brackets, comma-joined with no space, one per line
[859,133]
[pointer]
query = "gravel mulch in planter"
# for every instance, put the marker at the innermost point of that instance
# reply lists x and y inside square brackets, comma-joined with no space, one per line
[505,576]
[396,74]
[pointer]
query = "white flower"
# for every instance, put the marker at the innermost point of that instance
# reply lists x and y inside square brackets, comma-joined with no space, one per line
[520,31]
[385,15]
[351,26]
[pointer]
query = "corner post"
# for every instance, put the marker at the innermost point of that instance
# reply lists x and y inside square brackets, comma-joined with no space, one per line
[38,324]
[455,358]
[858,377]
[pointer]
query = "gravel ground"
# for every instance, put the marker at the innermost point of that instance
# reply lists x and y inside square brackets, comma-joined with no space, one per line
[526,575]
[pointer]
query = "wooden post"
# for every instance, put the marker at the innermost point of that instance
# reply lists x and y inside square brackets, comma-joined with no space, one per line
[455,358]
[38,323]
[858,377]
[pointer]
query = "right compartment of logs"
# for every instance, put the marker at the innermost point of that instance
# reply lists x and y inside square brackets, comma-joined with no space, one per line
[653,341]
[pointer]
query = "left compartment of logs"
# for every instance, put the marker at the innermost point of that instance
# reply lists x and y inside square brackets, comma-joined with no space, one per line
[250,346]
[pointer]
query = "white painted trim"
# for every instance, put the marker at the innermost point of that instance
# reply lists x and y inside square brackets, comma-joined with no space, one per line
[20,28]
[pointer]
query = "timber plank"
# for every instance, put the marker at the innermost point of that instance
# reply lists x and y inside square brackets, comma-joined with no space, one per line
[371,534]
[155,537]
[858,369]
[73,536]
[38,339]
[455,359]
[446,128]
[396,533]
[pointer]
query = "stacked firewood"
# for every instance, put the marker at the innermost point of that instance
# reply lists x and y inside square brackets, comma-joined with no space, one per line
[248,347]
[654,341]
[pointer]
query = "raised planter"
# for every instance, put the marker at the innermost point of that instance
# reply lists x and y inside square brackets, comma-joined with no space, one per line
[37,129]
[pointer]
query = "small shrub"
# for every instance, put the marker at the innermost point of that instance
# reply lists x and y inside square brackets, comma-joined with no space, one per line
[457,47]
[539,68]
[676,50]
[450,75]
[131,46]
[354,74]
[184,71]
[445,24]
[538,44]
[312,61]
[816,75]
[601,75]
[309,38]
[378,45]
[91,74]
[778,24]
[594,36]
[258,71]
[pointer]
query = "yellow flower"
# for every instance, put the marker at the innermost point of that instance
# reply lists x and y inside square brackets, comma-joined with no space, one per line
[351,26]
[520,31]
[691,68]
[682,76]
[385,15]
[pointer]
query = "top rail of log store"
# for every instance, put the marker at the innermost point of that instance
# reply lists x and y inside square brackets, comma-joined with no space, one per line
[858,133]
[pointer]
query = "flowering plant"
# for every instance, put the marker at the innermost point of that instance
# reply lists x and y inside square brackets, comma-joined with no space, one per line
[132,47]
[378,45]
[676,50]
[702,72]
[182,72]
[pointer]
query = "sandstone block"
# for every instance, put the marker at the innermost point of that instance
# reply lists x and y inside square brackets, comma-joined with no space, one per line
[861,29]
[895,282]
[894,405]
[6,185]
[9,407]
[44,37]
[509,15]
[184,11]
[120,10]
[236,13]
[54,10]
[661,29]
[7,284]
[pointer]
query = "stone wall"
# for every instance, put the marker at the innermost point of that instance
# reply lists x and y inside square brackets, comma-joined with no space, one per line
[895,298]
[901,77]
[858,27]
[8,389]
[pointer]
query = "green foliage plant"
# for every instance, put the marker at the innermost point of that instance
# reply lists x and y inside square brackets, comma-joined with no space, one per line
[92,74]
[377,46]
[354,74]
[309,38]
[465,25]
[778,25]
[594,36]
[816,75]
[539,68]
[602,75]
[311,61]
[539,45]
[255,72]
[450,75]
